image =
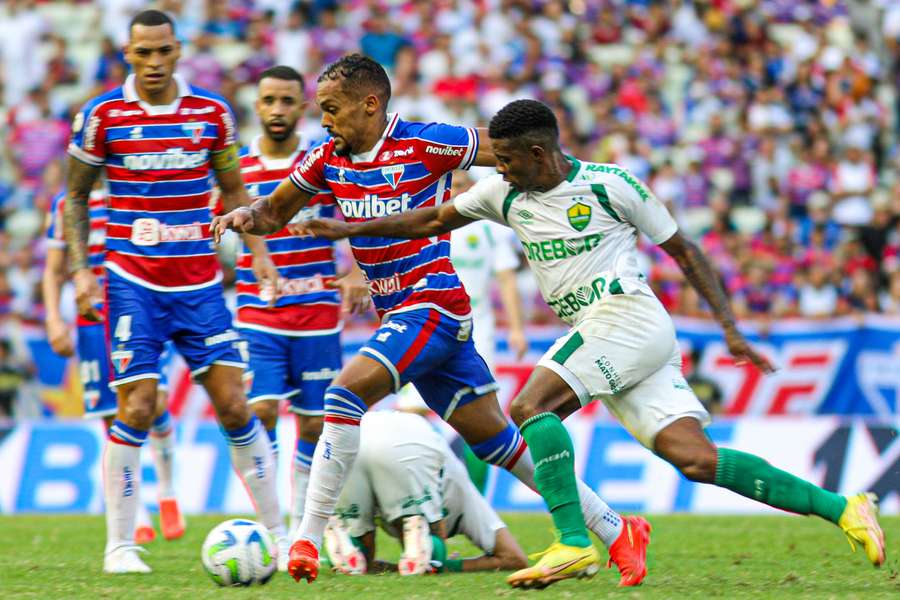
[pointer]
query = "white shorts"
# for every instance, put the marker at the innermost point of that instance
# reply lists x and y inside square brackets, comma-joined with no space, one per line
[394,475]
[624,352]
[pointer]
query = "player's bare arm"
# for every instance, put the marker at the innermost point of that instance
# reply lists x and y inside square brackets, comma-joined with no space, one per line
[411,225]
[703,277]
[507,556]
[485,156]
[266,215]
[234,195]
[52,280]
[76,226]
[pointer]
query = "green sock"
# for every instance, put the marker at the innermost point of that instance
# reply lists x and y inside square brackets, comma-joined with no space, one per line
[752,477]
[477,468]
[554,475]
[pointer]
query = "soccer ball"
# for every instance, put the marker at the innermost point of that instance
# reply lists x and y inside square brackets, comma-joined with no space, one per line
[240,552]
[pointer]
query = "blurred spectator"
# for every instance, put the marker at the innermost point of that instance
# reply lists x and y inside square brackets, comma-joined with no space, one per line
[818,298]
[260,59]
[220,24]
[853,180]
[21,30]
[889,300]
[295,45]
[36,139]
[380,41]
[12,376]
[203,68]
[60,68]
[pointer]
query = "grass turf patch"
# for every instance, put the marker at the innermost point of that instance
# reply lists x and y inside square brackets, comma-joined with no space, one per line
[690,557]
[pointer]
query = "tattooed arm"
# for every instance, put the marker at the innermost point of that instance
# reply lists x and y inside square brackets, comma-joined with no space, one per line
[704,278]
[81,179]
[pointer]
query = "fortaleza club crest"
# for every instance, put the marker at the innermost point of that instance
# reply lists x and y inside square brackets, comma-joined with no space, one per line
[121,359]
[579,216]
[195,130]
[393,174]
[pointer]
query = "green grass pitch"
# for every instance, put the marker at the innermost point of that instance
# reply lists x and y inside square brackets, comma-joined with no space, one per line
[690,557]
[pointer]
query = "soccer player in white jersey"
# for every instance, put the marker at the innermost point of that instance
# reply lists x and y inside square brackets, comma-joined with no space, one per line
[579,223]
[407,476]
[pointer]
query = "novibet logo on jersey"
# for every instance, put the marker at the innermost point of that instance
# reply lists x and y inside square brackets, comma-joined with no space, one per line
[579,216]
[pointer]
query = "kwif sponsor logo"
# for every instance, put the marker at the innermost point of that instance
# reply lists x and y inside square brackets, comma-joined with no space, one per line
[444,150]
[171,159]
[372,207]
[385,285]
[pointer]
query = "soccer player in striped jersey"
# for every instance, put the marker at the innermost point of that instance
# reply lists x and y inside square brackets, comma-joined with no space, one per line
[376,164]
[292,327]
[158,138]
[579,223]
[93,357]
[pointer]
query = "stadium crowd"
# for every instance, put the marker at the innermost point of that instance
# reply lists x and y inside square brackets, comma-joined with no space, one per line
[768,126]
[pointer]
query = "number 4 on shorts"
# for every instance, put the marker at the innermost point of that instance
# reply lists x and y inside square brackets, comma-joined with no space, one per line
[123,328]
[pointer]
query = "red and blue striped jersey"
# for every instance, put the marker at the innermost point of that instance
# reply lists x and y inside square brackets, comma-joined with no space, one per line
[97,215]
[305,264]
[408,168]
[157,161]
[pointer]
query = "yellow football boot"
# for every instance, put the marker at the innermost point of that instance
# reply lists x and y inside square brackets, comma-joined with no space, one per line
[860,523]
[556,563]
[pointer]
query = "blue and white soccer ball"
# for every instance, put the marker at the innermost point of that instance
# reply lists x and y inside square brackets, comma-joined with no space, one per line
[240,552]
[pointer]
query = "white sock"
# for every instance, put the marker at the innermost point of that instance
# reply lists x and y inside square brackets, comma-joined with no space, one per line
[121,484]
[598,516]
[299,485]
[163,447]
[251,456]
[334,457]
[142,516]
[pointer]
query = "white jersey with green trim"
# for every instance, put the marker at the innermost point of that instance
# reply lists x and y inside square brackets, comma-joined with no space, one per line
[580,237]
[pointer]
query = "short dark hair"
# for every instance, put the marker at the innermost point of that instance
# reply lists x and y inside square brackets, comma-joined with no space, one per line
[151,18]
[530,120]
[285,73]
[362,74]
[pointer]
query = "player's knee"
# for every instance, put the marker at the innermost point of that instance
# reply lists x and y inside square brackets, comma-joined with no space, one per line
[138,409]
[699,466]
[523,408]
[267,411]
[232,409]
[309,427]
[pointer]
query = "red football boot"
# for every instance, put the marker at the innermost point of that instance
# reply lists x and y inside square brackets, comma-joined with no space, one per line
[629,551]
[303,561]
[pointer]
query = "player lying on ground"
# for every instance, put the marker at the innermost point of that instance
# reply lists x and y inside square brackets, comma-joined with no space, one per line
[377,164]
[406,475]
[578,223]
[94,360]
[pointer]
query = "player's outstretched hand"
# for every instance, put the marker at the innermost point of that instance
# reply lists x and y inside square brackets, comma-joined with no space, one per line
[239,220]
[329,229]
[355,299]
[87,295]
[743,352]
